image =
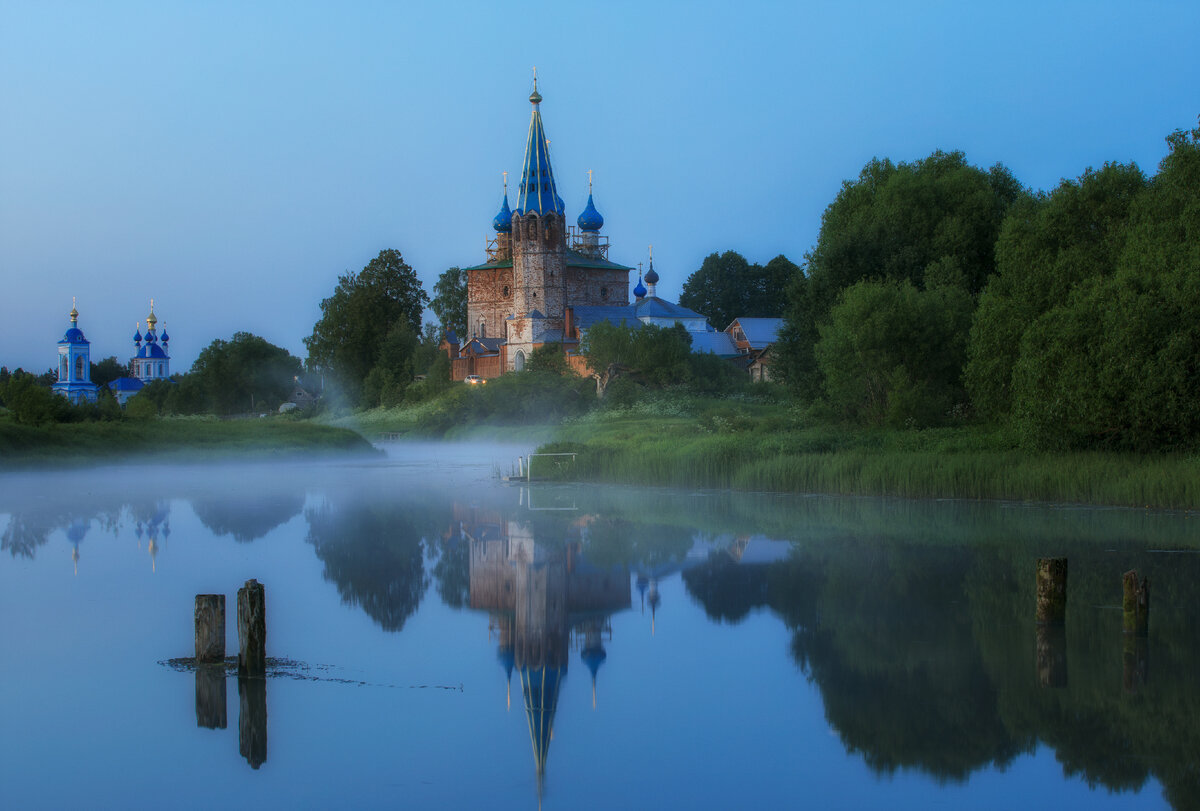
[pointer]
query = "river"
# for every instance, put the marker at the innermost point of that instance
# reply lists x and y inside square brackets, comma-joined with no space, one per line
[440,638]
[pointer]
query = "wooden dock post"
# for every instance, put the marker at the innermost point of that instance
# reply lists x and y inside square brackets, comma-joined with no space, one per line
[210,628]
[1136,604]
[1051,591]
[252,630]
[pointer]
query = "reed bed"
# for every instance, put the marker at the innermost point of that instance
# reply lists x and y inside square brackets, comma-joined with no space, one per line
[956,463]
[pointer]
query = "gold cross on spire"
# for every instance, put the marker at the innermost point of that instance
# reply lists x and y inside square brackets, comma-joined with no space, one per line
[589,182]
[505,183]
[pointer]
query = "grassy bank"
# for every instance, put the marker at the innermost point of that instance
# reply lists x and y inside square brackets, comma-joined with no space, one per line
[751,446]
[183,438]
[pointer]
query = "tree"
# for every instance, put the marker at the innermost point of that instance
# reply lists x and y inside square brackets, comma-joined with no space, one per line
[1113,364]
[895,222]
[727,287]
[1047,245]
[449,301]
[549,359]
[355,321]
[652,354]
[246,373]
[891,353]
[107,370]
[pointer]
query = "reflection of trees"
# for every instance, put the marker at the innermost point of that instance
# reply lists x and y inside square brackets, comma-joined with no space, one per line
[925,657]
[373,552]
[247,516]
[26,532]
[619,541]
[453,571]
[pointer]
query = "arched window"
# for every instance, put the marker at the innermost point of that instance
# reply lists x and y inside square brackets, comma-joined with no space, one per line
[482,328]
[160,370]
[79,367]
[62,368]
[519,361]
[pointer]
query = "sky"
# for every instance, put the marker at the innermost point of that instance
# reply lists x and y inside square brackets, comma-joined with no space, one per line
[231,160]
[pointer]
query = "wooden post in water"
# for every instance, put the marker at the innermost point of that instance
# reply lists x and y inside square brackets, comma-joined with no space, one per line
[252,631]
[1136,604]
[1051,591]
[210,628]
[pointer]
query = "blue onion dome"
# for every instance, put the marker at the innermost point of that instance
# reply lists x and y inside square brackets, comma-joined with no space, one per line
[590,219]
[651,276]
[165,336]
[593,658]
[137,334]
[640,290]
[503,221]
[74,335]
[150,336]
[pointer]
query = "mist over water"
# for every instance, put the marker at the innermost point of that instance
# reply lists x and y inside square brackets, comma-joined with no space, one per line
[453,640]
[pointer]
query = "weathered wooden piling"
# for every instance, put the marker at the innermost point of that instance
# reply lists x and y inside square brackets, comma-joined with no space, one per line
[1136,604]
[252,630]
[1052,655]
[1051,591]
[210,696]
[252,721]
[210,628]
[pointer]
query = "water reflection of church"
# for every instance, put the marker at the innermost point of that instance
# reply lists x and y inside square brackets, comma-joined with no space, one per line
[544,600]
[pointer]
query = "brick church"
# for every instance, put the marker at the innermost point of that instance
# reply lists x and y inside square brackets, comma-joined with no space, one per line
[545,281]
[538,269]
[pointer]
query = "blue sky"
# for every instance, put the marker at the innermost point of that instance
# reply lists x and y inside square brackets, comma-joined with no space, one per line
[230,160]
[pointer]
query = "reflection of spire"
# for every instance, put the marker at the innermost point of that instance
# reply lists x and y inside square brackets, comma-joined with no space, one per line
[654,601]
[540,686]
[593,654]
[75,534]
[153,547]
[641,587]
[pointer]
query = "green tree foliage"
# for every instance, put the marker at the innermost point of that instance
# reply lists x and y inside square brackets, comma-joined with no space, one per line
[107,370]
[355,321]
[32,403]
[449,301]
[1114,365]
[727,287]
[244,374]
[649,353]
[1047,245]
[892,354]
[549,359]
[393,371]
[896,222]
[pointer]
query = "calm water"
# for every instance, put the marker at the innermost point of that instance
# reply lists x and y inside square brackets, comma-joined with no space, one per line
[453,641]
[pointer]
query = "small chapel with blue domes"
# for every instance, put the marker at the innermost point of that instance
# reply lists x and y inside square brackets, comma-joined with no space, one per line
[150,360]
[75,364]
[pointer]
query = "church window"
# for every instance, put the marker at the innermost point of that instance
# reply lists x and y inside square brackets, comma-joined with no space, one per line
[504,292]
[535,294]
[604,292]
[79,367]
[62,368]
[519,361]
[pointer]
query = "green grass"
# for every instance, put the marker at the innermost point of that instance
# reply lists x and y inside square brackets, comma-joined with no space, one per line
[182,438]
[765,448]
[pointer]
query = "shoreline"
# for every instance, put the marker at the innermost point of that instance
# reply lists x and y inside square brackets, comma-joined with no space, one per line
[184,440]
